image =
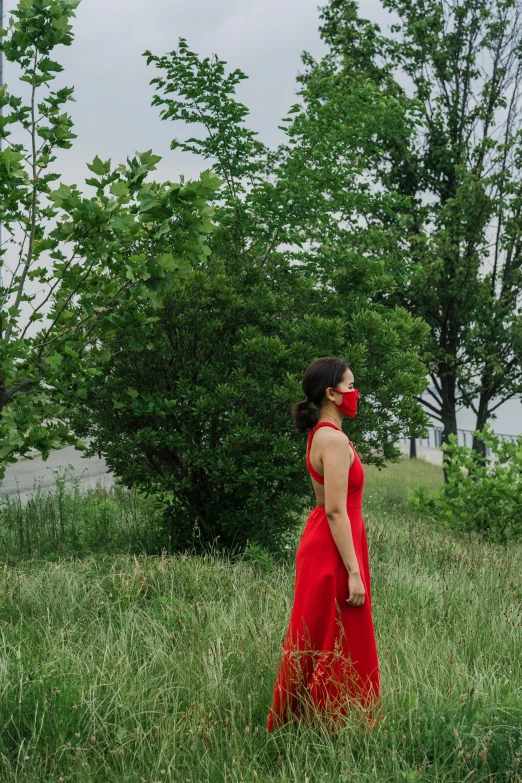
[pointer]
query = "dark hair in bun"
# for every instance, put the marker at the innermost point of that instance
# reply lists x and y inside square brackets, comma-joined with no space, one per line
[324,372]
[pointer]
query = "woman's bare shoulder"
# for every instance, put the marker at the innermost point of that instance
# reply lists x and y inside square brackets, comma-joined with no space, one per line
[329,433]
[334,439]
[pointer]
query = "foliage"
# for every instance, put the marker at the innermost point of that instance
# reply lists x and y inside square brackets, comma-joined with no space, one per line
[480,496]
[304,199]
[460,169]
[194,403]
[301,204]
[88,254]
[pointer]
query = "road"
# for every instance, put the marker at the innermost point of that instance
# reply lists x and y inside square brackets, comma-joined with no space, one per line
[24,476]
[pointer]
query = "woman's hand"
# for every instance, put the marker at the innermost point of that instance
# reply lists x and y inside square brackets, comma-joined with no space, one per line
[356,589]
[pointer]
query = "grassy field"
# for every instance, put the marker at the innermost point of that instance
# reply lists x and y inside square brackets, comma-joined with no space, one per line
[143,669]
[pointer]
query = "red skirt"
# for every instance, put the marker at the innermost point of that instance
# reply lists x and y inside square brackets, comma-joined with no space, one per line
[329,663]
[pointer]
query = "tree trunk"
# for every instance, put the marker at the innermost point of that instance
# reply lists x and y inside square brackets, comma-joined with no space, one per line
[448,414]
[413,448]
[482,417]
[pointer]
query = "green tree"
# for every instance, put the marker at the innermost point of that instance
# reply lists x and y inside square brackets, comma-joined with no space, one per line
[302,204]
[194,404]
[86,254]
[460,171]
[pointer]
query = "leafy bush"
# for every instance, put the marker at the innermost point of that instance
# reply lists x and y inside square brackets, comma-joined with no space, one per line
[194,407]
[481,495]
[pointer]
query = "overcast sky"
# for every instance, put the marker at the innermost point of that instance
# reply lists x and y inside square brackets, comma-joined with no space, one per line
[112,114]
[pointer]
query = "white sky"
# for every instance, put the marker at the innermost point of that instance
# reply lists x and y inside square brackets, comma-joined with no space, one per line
[112,114]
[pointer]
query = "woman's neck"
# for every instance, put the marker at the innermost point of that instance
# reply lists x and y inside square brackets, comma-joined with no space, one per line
[332,418]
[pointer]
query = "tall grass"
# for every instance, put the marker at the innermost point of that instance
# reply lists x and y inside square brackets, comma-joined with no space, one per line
[66,520]
[144,669]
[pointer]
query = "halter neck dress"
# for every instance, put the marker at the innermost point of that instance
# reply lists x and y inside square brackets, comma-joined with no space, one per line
[329,661]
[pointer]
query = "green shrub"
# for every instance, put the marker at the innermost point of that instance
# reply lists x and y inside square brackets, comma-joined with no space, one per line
[480,495]
[195,407]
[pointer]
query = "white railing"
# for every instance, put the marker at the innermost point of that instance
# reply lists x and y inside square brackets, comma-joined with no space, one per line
[465,438]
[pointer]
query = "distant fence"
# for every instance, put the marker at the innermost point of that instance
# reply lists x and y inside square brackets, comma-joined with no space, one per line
[465,437]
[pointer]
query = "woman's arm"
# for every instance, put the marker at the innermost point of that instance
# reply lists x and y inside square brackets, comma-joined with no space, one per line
[336,464]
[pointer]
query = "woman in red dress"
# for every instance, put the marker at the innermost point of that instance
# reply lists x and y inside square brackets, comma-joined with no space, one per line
[329,663]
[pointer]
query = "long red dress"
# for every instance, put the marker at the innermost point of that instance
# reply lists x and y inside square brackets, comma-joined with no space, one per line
[329,661]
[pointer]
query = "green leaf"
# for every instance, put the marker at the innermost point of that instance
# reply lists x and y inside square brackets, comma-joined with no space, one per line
[167,261]
[46,65]
[211,179]
[163,229]
[135,345]
[119,189]
[68,349]
[99,167]
[147,200]
[62,193]
[10,158]
[55,359]
[148,159]
[6,449]
[183,267]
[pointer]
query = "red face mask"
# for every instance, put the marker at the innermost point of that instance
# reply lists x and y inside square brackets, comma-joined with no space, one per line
[349,403]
